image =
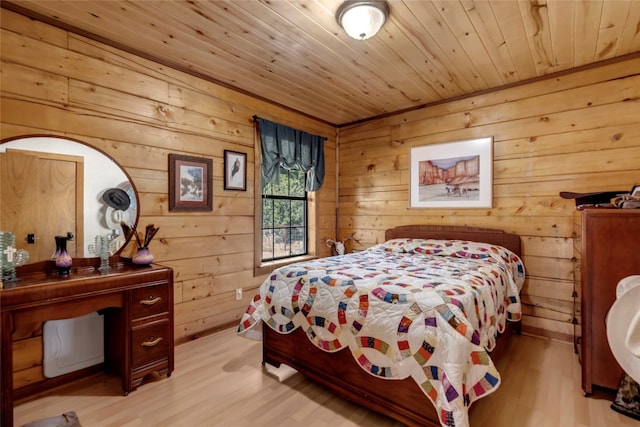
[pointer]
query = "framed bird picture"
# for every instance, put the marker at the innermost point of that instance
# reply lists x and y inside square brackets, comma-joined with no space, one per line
[235,170]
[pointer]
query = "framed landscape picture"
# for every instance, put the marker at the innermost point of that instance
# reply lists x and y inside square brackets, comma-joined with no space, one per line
[452,175]
[190,183]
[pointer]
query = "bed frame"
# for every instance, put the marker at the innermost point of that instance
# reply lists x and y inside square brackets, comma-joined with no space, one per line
[399,399]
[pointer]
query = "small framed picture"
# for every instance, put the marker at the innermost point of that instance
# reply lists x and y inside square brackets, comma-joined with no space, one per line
[190,183]
[235,170]
[635,191]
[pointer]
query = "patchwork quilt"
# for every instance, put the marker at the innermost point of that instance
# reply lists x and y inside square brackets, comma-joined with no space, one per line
[419,308]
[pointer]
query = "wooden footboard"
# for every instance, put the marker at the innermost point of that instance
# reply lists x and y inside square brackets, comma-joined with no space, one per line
[339,372]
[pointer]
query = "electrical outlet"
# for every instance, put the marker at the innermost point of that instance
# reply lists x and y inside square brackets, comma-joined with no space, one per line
[238,294]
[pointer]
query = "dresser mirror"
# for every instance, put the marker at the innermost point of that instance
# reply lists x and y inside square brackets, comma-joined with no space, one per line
[57,186]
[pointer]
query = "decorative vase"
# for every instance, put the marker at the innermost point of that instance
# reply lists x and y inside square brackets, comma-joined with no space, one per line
[143,256]
[62,258]
[56,253]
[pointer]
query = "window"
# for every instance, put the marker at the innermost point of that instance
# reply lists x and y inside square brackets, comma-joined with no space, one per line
[284,217]
[291,172]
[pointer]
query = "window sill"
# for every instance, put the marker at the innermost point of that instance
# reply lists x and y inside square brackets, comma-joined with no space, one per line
[268,267]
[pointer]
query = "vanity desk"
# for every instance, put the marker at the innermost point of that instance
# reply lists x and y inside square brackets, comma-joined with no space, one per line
[137,304]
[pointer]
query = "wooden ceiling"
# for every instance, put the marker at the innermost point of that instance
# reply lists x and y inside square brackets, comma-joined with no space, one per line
[293,52]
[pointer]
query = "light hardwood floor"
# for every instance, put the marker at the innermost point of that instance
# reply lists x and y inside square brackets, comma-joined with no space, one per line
[219,381]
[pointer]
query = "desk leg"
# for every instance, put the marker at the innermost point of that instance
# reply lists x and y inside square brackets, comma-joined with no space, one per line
[6,369]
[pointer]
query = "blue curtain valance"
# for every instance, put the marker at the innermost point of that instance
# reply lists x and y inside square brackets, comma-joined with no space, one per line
[290,149]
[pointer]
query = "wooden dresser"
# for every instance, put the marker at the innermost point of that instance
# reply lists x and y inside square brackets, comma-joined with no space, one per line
[608,250]
[137,302]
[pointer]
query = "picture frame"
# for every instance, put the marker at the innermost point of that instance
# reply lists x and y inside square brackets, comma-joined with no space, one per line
[453,175]
[235,170]
[190,183]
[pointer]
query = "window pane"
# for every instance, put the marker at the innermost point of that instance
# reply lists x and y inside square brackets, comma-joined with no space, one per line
[267,213]
[267,189]
[298,241]
[275,189]
[281,247]
[267,244]
[278,188]
[298,215]
[281,212]
[291,184]
[296,183]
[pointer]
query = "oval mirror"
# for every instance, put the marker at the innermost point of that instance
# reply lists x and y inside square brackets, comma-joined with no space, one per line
[55,186]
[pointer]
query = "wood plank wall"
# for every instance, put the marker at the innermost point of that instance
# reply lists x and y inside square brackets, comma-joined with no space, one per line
[137,111]
[577,132]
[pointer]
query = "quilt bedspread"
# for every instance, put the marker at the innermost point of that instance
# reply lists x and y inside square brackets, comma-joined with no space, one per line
[426,309]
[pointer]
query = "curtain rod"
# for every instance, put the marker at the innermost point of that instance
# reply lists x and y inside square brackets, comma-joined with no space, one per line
[256,118]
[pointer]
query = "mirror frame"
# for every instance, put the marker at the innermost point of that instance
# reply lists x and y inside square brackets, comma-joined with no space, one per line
[126,243]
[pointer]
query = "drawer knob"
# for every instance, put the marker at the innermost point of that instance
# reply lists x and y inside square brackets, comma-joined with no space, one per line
[151,300]
[153,341]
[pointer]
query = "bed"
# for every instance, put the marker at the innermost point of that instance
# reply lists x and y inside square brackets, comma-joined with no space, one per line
[409,328]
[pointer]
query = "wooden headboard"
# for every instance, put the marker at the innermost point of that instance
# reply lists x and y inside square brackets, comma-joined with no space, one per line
[457,232]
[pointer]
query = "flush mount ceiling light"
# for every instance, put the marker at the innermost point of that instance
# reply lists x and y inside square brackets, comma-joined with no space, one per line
[362,19]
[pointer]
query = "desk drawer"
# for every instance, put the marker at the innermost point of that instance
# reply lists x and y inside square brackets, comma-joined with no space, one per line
[149,301]
[150,342]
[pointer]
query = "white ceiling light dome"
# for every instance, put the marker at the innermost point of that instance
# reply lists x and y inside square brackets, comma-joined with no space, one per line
[362,19]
